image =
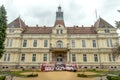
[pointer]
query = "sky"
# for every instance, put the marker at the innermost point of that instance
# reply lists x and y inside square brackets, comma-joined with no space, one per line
[76,12]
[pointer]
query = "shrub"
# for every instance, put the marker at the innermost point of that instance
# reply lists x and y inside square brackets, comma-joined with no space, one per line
[32,75]
[2,77]
[81,75]
[94,69]
[113,77]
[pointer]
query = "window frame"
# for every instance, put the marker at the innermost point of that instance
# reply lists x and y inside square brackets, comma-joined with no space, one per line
[73,58]
[83,44]
[73,43]
[25,43]
[96,57]
[35,43]
[22,57]
[45,57]
[45,43]
[94,43]
[84,57]
[33,57]
[9,42]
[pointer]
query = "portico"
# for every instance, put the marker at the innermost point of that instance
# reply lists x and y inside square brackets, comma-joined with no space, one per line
[59,55]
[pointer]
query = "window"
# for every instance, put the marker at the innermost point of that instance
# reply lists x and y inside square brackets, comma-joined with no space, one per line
[6,57]
[111,57]
[109,42]
[45,43]
[59,31]
[59,44]
[9,42]
[84,57]
[23,57]
[34,57]
[83,43]
[95,57]
[73,43]
[94,43]
[73,57]
[107,30]
[35,43]
[45,57]
[11,30]
[24,43]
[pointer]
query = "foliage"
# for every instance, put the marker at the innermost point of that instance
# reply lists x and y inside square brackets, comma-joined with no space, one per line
[98,71]
[113,77]
[2,77]
[81,75]
[116,72]
[116,50]
[3,26]
[117,23]
[32,75]
[18,73]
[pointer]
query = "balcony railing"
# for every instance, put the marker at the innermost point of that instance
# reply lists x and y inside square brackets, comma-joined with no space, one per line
[59,48]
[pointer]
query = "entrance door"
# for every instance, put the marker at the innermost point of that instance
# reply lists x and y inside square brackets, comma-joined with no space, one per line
[59,59]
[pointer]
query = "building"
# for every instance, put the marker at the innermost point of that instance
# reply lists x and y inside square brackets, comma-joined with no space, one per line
[89,47]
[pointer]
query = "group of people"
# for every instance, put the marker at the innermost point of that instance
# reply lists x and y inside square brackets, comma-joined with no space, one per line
[58,67]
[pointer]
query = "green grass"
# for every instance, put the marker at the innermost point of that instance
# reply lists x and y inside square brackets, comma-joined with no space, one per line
[113,77]
[114,72]
[17,73]
[98,71]
[2,77]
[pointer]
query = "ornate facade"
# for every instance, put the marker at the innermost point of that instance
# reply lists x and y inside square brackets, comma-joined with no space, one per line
[89,47]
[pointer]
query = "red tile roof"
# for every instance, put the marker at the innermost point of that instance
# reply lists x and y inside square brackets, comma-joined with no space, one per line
[17,23]
[101,23]
[81,30]
[59,22]
[70,30]
[38,30]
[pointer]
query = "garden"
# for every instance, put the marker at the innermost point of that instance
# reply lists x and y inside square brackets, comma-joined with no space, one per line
[81,74]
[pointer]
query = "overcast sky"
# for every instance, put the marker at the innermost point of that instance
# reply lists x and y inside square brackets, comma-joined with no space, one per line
[76,12]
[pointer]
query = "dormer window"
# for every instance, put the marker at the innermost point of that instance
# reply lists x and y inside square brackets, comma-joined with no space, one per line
[107,30]
[59,31]
[11,30]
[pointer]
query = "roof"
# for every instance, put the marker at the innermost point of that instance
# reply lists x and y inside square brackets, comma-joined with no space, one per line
[70,30]
[38,30]
[59,22]
[17,23]
[101,23]
[81,30]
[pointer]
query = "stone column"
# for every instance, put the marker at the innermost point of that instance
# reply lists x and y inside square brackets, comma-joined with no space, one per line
[68,56]
[50,56]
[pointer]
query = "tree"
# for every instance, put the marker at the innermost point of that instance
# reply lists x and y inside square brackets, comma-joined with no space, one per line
[116,50]
[3,27]
[117,22]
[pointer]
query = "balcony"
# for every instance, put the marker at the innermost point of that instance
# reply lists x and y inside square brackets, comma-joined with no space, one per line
[59,49]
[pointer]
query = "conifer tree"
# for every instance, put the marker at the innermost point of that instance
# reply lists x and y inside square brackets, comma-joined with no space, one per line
[3,27]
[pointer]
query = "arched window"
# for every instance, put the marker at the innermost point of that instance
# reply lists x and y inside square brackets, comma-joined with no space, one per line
[59,44]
